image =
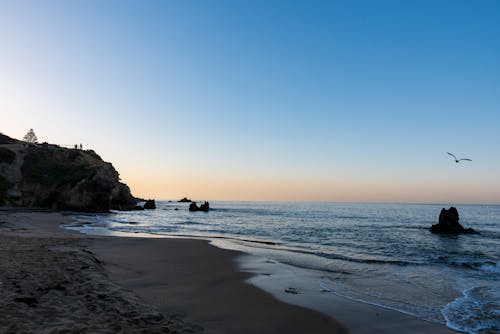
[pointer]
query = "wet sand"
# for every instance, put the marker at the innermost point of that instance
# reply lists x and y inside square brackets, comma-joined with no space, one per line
[200,282]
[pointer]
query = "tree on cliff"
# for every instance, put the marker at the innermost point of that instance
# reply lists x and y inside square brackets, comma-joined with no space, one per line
[30,137]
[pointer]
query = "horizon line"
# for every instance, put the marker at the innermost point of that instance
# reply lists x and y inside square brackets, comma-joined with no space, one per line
[332,202]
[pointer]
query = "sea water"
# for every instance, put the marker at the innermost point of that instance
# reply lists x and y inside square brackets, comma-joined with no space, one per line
[381,254]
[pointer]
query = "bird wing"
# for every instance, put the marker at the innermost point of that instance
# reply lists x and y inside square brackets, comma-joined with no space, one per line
[466,159]
[453,155]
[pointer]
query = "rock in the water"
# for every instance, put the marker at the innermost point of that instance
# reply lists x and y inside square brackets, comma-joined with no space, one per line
[137,208]
[448,223]
[150,204]
[204,207]
[184,200]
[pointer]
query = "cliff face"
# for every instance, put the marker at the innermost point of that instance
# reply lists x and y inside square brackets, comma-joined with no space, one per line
[49,176]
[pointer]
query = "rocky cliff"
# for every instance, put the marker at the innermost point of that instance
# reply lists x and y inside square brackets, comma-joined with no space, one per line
[50,176]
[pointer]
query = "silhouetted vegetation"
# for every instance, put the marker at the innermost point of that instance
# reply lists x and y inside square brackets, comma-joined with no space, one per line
[7,156]
[30,137]
[39,168]
[73,155]
[4,185]
[93,154]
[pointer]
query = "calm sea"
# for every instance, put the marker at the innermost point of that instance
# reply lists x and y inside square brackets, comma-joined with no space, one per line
[381,254]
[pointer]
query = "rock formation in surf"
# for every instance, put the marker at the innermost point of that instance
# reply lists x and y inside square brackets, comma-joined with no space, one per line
[204,207]
[448,223]
[150,204]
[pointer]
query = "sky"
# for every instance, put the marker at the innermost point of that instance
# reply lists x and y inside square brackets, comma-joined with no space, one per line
[264,100]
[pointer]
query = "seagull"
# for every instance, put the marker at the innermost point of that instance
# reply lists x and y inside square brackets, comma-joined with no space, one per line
[458,160]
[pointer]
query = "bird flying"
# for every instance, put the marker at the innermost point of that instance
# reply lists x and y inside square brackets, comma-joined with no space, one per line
[458,160]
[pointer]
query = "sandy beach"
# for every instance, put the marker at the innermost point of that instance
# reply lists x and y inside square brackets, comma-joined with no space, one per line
[51,283]
[56,281]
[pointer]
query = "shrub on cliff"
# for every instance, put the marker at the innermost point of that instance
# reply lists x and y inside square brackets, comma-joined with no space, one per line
[30,137]
[40,168]
[7,156]
[4,186]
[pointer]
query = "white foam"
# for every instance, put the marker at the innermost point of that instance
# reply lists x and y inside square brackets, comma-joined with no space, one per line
[478,311]
[361,300]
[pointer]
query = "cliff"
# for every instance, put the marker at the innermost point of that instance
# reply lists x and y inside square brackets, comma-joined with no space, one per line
[50,176]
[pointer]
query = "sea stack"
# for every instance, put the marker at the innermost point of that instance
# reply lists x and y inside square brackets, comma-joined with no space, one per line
[150,204]
[204,207]
[448,223]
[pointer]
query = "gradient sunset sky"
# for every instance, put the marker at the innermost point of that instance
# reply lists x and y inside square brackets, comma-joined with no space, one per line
[264,100]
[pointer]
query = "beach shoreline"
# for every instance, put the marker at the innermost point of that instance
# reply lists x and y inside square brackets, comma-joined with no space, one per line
[207,289]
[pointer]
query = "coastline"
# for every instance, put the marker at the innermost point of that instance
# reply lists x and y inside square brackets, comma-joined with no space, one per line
[357,316]
[198,286]
[200,283]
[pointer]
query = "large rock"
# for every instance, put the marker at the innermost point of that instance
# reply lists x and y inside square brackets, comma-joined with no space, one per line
[448,223]
[204,207]
[150,204]
[53,177]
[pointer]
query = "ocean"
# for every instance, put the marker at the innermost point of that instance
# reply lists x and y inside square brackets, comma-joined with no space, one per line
[381,254]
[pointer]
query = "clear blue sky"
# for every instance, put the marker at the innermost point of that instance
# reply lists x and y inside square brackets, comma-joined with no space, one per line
[274,100]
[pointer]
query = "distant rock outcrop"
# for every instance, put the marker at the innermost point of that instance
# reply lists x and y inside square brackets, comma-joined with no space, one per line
[204,207]
[184,200]
[150,204]
[49,176]
[448,223]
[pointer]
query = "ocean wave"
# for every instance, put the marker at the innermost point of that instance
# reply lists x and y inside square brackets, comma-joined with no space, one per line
[251,211]
[275,245]
[491,267]
[474,264]
[309,251]
[428,313]
[477,312]
[252,241]
[189,222]
[391,226]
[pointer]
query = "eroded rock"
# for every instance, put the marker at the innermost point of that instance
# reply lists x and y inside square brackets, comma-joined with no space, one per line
[448,223]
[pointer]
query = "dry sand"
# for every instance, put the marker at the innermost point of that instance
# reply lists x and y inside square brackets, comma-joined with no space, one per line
[55,281]
[51,283]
